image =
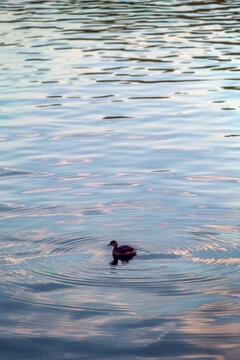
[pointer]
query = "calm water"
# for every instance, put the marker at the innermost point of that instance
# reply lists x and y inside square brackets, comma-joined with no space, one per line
[119,120]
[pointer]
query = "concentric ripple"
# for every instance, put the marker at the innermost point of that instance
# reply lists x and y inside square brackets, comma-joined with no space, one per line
[73,262]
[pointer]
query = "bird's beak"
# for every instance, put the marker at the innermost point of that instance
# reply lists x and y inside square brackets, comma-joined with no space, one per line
[108,244]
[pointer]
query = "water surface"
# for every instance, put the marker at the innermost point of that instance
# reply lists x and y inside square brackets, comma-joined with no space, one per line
[119,120]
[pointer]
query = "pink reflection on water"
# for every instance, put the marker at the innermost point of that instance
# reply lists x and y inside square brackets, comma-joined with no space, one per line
[224,227]
[118,175]
[97,184]
[45,190]
[67,162]
[77,177]
[211,318]
[187,194]
[64,162]
[213,178]
[29,135]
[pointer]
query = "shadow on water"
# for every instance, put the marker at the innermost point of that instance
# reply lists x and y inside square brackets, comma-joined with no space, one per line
[123,259]
[143,257]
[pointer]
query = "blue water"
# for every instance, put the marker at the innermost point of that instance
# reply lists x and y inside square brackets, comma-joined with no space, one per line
[119,120]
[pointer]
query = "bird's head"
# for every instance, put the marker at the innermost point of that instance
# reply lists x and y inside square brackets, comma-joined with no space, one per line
[113,243]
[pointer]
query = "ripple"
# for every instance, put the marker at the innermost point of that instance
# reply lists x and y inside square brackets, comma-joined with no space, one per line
[8,172]
[81,135]
[58,264]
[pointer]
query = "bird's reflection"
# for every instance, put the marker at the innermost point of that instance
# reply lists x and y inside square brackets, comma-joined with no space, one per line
[123,259]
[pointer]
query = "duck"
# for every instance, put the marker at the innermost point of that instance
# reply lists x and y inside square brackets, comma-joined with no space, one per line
[122,252]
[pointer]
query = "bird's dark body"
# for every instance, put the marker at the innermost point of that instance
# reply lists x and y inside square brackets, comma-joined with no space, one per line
[124,249]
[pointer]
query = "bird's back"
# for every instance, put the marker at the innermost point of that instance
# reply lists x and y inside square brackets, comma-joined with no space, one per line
[125,248]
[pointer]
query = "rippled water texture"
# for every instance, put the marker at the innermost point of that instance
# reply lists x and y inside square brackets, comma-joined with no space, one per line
[119,120]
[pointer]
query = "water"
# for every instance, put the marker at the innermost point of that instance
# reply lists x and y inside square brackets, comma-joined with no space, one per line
[119,120]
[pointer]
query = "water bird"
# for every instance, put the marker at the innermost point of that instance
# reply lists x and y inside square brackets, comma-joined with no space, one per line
[124,252]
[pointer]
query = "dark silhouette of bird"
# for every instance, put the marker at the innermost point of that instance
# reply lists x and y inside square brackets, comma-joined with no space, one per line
[124,252]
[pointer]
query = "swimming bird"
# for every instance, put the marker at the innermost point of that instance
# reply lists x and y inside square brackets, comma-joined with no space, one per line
[122,252]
